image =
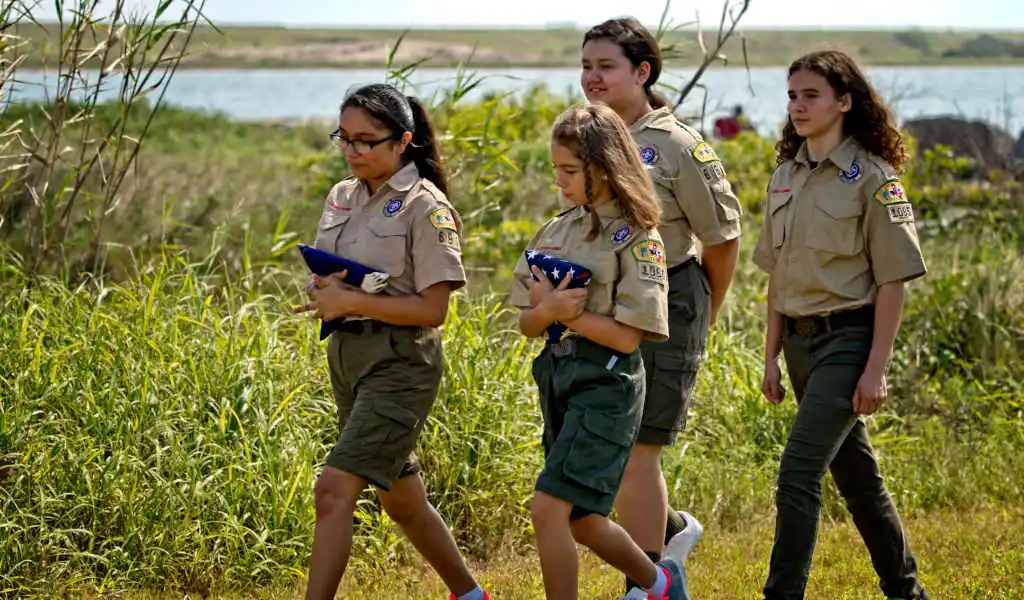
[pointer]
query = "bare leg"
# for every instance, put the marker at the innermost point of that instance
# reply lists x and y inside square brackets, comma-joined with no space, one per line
[642,500]
[407,504]
[558,561]
[614,546]
[336,495]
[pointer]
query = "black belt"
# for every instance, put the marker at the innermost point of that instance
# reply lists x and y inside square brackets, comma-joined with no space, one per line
[679,268]
[361,326]
[812,326]
[581,347]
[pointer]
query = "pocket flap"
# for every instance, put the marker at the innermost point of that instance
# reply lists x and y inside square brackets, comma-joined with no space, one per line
[396,412]
[334,219]
[777,200]
[842,210]
[609,428]
[388,227]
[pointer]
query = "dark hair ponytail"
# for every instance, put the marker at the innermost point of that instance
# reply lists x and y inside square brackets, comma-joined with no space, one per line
[638,46]
[424,150]
[400,113]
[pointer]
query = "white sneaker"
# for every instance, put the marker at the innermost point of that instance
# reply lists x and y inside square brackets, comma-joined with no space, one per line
[679,547]
[635,594]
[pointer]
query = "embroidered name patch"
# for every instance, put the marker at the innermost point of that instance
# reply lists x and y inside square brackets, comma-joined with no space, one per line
[621,234]
[704,153]
[901,212]
[442,219]
[852,175]
[649,155]
[393,206]
[891,192]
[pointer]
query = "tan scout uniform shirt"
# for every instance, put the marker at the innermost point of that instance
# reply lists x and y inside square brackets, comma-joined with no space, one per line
[697,199]
[628,274]
[407,229]
[833,234]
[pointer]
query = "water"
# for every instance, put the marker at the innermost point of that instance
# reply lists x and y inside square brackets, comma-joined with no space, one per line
[991,94]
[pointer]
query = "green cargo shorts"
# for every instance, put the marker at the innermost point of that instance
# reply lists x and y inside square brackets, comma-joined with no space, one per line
[591,398]
[672,365]
[385,380]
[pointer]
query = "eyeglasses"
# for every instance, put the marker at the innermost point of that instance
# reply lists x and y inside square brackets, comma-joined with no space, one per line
[356,146]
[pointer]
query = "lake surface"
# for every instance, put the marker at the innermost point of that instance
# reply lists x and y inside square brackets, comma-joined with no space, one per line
[991,94]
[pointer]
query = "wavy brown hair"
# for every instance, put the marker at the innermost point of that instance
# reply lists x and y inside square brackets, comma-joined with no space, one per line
[598,136]
[869,120]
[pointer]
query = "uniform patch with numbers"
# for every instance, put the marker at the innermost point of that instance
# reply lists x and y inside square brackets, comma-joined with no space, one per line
[448,237]
[900,212]
[713,172]
[652,272]
[650,258]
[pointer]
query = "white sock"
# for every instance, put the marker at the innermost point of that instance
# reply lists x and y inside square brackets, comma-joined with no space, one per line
[477,594]
[659,584]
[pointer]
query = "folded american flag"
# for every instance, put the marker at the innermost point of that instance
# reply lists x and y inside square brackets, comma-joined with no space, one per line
[324,263]
[556,270]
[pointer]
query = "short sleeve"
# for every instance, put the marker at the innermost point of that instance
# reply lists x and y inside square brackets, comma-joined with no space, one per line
[436,248]
[641,296]
[890,232]
[519,295]
[705,195]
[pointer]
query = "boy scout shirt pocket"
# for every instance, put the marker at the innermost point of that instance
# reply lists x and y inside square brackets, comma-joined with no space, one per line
[835,227]
[777,201]
[329,230]
[389,244]
[599,451]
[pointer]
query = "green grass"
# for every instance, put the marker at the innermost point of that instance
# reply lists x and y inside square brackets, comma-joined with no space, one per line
[162,420]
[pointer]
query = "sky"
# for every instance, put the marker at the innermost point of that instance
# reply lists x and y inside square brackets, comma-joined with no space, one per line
[873,14]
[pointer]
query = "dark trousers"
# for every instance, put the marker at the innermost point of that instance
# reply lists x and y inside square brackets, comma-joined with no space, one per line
[824,367]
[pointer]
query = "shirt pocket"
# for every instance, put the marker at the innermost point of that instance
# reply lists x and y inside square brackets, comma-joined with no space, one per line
[835,227]
[777,212]
[329,230]
[388,245]
[604,275]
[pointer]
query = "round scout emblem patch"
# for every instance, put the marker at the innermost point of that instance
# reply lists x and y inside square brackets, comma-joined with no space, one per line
[852,175]
[392,207]
[621,234]
[649,155]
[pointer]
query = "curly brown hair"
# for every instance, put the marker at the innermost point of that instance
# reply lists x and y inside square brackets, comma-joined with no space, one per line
[869,120]
[598,136]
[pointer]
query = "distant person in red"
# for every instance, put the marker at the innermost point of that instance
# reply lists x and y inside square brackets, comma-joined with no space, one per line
[729,127]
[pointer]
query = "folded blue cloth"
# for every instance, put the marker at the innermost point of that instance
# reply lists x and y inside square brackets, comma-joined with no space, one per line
[324,263]
[556,270]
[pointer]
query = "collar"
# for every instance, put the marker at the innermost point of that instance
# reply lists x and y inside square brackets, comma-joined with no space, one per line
[841,156]
[404,178]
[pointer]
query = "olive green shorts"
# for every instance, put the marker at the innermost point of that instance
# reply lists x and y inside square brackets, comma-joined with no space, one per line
[385,379]
[672,365]
[591,398]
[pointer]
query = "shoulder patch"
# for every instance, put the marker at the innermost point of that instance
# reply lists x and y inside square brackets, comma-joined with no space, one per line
[650,258]
[442,218]
[900,212]
[891,192]
[649,155]
[649,251]
[704,153]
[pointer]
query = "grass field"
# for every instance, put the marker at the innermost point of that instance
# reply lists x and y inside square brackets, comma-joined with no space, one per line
[280,47]
[163,414]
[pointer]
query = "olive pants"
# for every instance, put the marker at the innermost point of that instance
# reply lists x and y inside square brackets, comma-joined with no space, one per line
[825,365]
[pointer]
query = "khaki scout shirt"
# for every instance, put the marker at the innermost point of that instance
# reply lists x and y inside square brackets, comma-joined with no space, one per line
[628,274]
[408,229]
[833,234]
[697,199]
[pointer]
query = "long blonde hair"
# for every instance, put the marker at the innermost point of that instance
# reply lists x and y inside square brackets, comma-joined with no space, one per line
[597,135]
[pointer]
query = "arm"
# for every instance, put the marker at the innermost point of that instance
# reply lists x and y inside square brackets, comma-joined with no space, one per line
[771,384]
[332,299]
[533,321]
[720,263]
[605,330]
[871,389]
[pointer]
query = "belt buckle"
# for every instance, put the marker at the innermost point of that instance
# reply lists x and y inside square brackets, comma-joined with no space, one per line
[806,327]
[562,348]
